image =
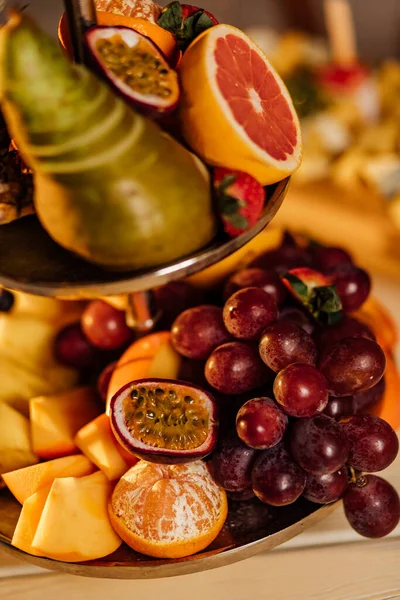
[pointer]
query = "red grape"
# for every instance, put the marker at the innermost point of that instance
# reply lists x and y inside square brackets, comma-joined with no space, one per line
[373,443]
[232,464]
[104,380]
[276,478]
[372,506]
[7,301]
[198,331]
[327,488]
[268,280]
[337,408]
[104,326]
[284,343]
[348,327]
[73,349]
[173,299]
[242,496]
[261,424]
[298,317]
[236,368]
[352,365]
[353,286]
[301,390]
[319,445]
[283,259]
[366,400]
[248,312]
[329,257]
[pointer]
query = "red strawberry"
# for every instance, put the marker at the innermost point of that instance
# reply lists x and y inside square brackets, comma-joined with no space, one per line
[241,200]
[186,22]
[316,293]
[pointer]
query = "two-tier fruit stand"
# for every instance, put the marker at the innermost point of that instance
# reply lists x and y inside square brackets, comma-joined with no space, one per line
[30,261]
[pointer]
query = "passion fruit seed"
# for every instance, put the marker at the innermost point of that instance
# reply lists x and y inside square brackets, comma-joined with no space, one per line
[166,418]
[136,67]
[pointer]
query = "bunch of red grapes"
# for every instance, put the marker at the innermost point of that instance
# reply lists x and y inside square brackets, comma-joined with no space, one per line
[294,373]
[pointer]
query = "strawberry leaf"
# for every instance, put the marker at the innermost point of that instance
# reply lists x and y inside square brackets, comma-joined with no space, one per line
[172,18]
[298,287]
[228,205]
[238,221]
[226,183]
[327,306]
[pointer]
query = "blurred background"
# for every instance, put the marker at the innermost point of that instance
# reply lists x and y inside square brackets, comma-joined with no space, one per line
[377,21]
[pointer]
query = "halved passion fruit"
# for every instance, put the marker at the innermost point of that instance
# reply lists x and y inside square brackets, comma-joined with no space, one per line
[135,67]
[165,421]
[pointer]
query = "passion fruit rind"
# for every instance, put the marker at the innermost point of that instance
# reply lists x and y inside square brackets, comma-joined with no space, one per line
[165,421]
[135,68]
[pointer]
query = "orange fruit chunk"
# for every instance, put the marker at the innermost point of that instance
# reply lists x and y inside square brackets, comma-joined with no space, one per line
[144,9]
[168,511]
[162,38]
[236,111]
[388,408]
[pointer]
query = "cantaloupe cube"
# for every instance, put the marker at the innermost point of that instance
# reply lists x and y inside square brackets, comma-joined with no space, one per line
[15,440]
[97,441]
[23,483]
[55,421]
[29,520]
[74,525]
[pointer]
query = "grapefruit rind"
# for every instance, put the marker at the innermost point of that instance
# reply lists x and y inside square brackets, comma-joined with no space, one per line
[208,123]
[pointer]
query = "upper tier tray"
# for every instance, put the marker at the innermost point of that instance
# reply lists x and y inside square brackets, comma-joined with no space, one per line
[30,261]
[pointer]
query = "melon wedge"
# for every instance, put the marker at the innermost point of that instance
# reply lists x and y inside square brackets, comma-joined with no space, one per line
[29,520]
[23,483]
[74,525]
[97,441]
[55,421]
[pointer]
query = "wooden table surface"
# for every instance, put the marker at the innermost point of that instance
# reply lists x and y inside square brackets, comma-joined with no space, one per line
[328,562]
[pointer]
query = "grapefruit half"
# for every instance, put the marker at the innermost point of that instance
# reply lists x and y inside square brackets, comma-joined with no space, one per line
[236,111]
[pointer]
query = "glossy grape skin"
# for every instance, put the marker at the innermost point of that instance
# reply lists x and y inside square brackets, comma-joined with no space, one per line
[248,312]
[324,489]
[277,480]
[284,343]
[198,331]
[73,349]
[329,257]
[232,464]
[261,424]
[301,390]
[353,286]
[236,368]
[352,365]
[319,445]
[105,327]
[337,408]
[373,443]
[366,400]
[268,280]
[372,506]
[348,327]
[173,299]
[104,379]
[6,301]
[283,259]
[298,317]
[245,496]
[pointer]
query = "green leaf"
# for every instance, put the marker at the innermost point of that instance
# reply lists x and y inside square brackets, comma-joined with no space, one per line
[226,183]
[327,299]
[297,285]
[238,221]
[203,23]
[172,18]
[229,205]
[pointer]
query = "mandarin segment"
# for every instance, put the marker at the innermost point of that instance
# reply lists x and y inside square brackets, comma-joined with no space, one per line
[168,511]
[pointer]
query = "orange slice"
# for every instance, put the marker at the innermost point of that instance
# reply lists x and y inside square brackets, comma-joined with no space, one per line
[236,111]
[144,9]
[168,511]
[162,38]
